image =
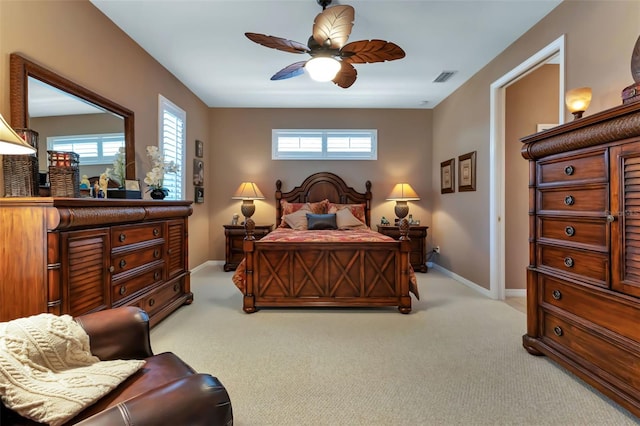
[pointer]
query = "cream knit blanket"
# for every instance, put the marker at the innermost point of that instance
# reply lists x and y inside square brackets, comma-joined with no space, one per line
[47,372]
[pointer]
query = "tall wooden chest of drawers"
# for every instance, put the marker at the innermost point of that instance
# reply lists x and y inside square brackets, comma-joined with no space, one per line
[583,279]
[75,256]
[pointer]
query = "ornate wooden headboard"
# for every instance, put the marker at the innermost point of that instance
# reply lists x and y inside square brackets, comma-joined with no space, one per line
[324,186]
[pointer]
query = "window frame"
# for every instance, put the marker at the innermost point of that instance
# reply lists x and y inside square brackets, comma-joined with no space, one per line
[99,138]
[324,153]
[165,105]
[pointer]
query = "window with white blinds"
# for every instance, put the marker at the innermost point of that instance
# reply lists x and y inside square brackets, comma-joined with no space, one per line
[304,144]
[172,142]
[92,149]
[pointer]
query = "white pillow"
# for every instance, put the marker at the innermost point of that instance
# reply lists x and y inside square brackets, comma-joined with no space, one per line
[346,220]
[298,219]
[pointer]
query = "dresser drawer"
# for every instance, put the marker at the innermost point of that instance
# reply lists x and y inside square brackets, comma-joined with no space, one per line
[592,232]
[127,261]
[133,234]
[125,288]
[621,362]
[159,297]
[590,266]
[584,167]
[574,199]
[598,307]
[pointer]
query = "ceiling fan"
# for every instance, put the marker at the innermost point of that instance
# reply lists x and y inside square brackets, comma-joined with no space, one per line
[331,59]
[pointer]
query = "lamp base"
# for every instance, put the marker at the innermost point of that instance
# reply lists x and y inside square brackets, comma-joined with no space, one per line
[577,114]
[402,210]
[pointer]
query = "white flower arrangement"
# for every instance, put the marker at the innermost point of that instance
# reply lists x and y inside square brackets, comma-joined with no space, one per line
[118,171]
[155,178]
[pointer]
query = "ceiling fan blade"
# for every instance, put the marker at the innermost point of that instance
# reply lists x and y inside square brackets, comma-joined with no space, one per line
[278,43]
[368,51]
[292,70]
[346,76]
[332,27]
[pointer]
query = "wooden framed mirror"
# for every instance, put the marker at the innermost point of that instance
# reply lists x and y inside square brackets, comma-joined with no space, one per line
[23,71]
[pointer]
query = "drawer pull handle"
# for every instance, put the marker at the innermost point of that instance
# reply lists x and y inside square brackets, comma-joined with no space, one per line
[570,231]
[568,262]
[569,170]
[611,218]
[156,275]
[557,330]
[152,302]
[176,287]
[170,252]
[123,290]
[156,232]
[556,294]
[156,253]
[112,268]
[569,200]
[122,237]
[123,263]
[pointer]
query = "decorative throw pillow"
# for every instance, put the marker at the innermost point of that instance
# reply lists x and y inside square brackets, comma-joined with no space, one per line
[47,371]
[321,221]
[356,209]
[346,220]
[297,220]
[287,208]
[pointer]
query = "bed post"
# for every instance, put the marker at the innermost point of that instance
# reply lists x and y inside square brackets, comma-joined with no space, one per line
[248,246]
[404,305]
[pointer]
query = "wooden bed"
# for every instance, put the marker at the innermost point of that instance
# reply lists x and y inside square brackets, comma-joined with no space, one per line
[325,274]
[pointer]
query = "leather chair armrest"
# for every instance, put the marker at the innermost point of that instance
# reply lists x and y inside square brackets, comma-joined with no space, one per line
[119,333]
[199,399]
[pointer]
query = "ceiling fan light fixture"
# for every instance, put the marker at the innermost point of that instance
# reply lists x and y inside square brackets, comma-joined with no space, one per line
[322,68]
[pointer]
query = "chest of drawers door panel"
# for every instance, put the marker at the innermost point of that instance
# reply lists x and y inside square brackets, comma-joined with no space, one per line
[74,256]
[583,278]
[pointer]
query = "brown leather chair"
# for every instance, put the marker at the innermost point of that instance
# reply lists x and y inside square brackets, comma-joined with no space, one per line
[166,391]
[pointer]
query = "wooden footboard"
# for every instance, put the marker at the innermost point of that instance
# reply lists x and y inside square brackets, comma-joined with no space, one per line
[327,274]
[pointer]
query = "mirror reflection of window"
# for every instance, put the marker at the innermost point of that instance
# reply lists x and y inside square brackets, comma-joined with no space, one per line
[57,115]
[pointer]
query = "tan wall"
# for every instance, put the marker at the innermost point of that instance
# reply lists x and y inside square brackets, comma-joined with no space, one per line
[77,41]
[530,101]
[600,36]
[241,150]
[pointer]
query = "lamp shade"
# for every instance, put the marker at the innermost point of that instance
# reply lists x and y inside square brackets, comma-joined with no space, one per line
[322,68]
[11,143]
[403,192]
[248,191]
[578,100]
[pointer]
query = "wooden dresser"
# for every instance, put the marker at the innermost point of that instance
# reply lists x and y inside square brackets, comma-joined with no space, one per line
[583,279]
[74,256]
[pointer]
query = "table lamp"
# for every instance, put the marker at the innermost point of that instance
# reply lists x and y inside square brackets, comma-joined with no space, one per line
[247,192]
[11,143]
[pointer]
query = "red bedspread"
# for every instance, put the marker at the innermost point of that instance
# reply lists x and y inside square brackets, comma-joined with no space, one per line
[337,236]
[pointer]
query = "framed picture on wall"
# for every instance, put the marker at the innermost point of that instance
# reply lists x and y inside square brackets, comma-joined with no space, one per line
[447,176]
[199,148]
[467,172]
[199,194]
[198,172]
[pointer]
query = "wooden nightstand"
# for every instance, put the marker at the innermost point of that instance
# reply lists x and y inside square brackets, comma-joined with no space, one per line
[234,235]
[418,237]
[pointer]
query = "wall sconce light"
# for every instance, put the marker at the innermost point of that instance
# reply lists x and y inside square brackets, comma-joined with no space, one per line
[578,101]
[402,193]
[322,68]
[247,192]
[11,143]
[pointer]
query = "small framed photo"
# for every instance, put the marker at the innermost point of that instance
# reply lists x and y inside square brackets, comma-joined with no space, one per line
[199,148]
[132,185]
[199,194]
[198,172]
[447,176]
[467,172]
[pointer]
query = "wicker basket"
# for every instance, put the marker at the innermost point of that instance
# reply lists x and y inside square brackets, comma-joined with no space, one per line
[20,175]
[20,172]
[64,174]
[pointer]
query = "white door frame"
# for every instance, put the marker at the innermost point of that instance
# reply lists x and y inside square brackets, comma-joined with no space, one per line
[496,155]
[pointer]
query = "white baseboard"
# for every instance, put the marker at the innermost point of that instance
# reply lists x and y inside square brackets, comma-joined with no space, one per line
[515,292]
[217,263]
[462,280]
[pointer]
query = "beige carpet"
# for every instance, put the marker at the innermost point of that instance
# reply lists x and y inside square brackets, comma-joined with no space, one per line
[457,359]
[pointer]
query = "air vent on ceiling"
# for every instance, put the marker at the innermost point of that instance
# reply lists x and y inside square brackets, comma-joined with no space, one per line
[444,76]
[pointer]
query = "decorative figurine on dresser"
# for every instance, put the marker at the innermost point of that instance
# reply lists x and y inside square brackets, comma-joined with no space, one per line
[583,279]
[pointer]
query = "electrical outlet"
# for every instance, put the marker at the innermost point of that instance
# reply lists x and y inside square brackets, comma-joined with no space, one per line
[436,249]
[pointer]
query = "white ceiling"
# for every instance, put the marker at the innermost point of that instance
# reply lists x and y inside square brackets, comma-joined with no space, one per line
[202,43]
